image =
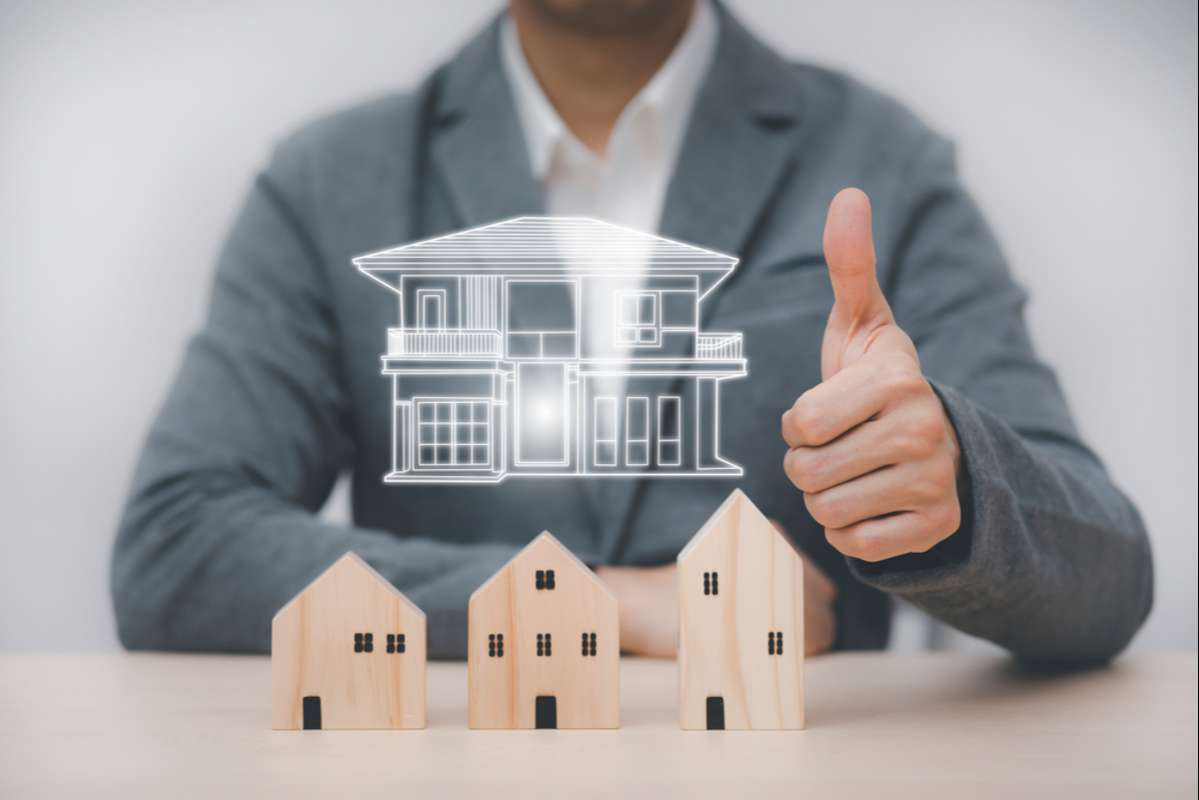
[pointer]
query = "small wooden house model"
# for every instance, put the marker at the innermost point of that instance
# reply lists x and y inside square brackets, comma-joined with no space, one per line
[348,652]
[741,635]
[544,648]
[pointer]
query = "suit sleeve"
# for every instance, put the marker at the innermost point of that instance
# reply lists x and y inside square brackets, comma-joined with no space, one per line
[220,527]
[1052,561]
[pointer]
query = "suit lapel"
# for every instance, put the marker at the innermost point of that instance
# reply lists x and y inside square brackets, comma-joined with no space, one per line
[478,147]
[737,150]
[480,150]
[737,147]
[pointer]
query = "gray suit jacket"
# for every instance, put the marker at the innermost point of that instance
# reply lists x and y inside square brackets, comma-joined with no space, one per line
[281,390]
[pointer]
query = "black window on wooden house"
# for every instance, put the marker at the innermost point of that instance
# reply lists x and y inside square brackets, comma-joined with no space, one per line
[711,583]
[495,645]
[397,643]
[588,643]
[364,643]
[544,580]
[774,643]
[545,645]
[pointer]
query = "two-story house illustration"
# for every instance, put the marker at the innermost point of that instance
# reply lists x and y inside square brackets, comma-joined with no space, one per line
[510,334]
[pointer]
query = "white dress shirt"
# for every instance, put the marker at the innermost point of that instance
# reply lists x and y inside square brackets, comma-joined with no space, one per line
[628,185]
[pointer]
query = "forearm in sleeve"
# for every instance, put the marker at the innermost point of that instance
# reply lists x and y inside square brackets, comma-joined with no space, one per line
[204,560]
[1052,561]
[221,527]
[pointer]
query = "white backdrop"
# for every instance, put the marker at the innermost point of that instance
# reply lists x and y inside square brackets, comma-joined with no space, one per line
[129,131]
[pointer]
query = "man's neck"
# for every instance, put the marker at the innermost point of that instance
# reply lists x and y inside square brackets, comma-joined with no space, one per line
[590,77]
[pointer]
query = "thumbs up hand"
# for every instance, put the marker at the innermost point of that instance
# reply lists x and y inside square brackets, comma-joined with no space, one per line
[871,447]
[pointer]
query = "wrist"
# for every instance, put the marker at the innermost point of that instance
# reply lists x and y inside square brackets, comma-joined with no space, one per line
[951,434]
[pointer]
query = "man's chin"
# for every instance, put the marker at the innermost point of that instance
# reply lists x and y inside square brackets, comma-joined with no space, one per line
[607,17]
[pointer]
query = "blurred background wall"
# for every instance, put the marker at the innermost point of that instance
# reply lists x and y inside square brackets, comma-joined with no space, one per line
[129,131]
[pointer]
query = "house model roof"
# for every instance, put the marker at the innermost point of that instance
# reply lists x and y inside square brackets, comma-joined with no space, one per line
[352,561]
[545,537]
[548,244]
[739,504]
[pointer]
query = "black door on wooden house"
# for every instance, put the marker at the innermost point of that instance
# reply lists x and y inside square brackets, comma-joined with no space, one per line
[545,712]
[312,713]
[715,711]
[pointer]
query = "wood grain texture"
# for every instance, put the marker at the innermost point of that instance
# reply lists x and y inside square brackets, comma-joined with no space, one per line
[153,725]
[755,589]
[313,653]
[503,689]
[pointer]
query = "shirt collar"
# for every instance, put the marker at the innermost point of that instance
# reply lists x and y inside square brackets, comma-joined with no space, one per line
[669,95]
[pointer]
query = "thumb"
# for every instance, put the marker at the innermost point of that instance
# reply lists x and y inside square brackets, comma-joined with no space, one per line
[849,251]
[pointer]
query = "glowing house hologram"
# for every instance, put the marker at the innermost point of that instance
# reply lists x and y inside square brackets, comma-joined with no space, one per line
[554,346]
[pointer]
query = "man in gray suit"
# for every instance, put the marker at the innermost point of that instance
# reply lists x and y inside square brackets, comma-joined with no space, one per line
[925,451]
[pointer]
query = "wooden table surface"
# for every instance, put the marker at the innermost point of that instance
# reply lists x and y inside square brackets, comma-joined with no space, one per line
[878,726]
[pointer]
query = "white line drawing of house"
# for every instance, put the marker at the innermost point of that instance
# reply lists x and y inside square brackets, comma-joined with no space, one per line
[496,372]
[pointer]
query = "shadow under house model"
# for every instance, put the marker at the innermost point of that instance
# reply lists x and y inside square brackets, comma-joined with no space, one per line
[544,648]
[741,624]
[348,652]
[509,334]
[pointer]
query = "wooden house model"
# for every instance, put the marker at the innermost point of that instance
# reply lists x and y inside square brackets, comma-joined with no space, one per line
[348,652]
[741,633]
[544,649]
